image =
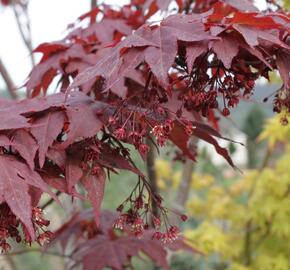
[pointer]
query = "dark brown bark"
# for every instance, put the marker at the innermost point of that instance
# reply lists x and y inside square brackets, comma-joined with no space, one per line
[8,80]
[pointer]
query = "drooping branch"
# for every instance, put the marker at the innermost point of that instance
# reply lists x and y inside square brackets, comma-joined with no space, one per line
[8,80]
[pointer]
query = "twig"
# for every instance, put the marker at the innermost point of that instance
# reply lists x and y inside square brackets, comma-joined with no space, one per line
[8,80]
[49,202]
[30,250]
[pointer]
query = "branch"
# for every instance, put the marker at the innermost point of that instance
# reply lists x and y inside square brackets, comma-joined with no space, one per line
[30,250]
[94,3]
[8,80]
[50,201]
[248,244]
[184,187]
[11,262]
[150,162]
[248,234]
[24,28]
[187,6]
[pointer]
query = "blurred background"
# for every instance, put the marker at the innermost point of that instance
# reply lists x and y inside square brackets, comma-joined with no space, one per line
[239,220]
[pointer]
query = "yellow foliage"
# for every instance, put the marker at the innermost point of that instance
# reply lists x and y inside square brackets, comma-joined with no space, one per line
[274,77]
[209,238]
[255,206]
[220,210]
[215,193]
[196,206]
[268,262]
[161,183]
[237,266]
[200,181]
[163,169]
[229,213]
[176,178]
[287,4]
[274,132]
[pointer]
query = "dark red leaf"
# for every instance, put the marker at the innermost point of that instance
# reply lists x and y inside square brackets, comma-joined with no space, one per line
[255,20]
[45,130]
[253,36]
[193,51]
[283,63]
[58,156]
[179,137]
[95,187]
[25,144]
[103,252]
[244,5]
[226,49]
[73,173]
[83,122]
[15,179]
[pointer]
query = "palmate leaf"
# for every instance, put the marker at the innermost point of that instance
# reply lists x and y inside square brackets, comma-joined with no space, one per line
[244,5]
[106,30]
[73,173]
[54,57]
[22,142]
[15,180]
[10,120]
[194,50]
[226,49]
[203,132]
[26,145]
[106,252]
[68,57]
[45,130]
[83,123]
[95,187]
[45,119]
[160,52]
[190,31]
[125,75]
[108,249]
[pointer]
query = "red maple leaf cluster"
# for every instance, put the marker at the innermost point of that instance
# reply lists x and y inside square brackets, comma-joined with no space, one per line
[122,80]
[97,248]
[10,224]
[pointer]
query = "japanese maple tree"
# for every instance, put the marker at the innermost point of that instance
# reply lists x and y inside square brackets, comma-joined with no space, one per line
[125,80]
